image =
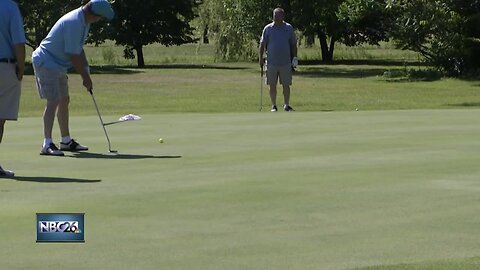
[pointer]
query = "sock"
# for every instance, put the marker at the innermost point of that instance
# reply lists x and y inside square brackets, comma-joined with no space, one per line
[47,141]
[66,139]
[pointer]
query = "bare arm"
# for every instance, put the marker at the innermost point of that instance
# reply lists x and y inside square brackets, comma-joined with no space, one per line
[20,56]
[294,50]
[261,52]
[293,45]
[80,63]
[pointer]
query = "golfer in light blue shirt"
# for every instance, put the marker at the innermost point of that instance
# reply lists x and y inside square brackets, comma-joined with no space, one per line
[61,50]
[12,65]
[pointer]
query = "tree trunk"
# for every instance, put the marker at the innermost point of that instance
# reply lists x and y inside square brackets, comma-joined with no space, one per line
[140,60]
[332,48]
[309,40]
[327,53]
[205,35]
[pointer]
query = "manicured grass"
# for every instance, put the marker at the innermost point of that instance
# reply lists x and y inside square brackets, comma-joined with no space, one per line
[468,263]
[303,190]
[391,186]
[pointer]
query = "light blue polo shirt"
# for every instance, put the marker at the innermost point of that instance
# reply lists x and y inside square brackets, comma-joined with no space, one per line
[278,41]
[66,38]
[11,28]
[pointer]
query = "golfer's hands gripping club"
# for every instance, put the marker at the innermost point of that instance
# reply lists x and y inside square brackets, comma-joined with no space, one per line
[87,82]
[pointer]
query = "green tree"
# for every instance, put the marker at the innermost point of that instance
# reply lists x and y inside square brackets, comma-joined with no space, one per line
[136,24]
[364,21]
[445,32]
[40,16]
[319,18]
[142,22]
[469,53]
[237,25]
[351,22]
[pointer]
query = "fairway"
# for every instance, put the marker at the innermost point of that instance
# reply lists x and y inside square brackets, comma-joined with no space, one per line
[303,190]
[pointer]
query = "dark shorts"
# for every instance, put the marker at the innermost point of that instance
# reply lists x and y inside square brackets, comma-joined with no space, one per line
[282,72]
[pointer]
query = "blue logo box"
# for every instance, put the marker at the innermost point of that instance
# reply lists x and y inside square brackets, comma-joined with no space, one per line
[57,227]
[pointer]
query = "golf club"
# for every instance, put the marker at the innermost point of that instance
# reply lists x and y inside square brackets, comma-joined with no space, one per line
[261,88]
[101,121]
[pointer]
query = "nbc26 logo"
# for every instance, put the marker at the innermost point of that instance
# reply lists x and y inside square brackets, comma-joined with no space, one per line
[59,227]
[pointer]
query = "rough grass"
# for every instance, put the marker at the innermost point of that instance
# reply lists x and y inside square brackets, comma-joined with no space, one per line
[236,88]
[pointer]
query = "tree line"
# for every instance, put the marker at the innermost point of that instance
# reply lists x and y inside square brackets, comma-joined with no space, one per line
[445,32]
[137,23]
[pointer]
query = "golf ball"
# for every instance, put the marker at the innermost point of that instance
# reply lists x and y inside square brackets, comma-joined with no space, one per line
[160,140]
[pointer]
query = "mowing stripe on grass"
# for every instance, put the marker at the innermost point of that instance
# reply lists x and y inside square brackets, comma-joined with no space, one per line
[250,191]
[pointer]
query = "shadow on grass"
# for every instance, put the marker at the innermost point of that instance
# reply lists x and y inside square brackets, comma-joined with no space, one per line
[409,80]
[97,70]
[194,66]
[327,72]
[118,156]
[465,104]
[126,70]
[122,70]
[364,62]
[355,69]
[28,69]
[43,179]
[118,70]
[394,75]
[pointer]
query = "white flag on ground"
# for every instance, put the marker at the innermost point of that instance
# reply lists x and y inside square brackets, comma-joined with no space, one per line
[129,117]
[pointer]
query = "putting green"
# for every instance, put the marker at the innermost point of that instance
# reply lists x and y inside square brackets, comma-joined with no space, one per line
[317,190]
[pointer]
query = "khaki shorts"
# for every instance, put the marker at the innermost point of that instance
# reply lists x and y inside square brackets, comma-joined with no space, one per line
[52,85]
[284,72]
[10,88]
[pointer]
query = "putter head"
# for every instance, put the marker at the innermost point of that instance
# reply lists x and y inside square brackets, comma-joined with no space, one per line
[112,152]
